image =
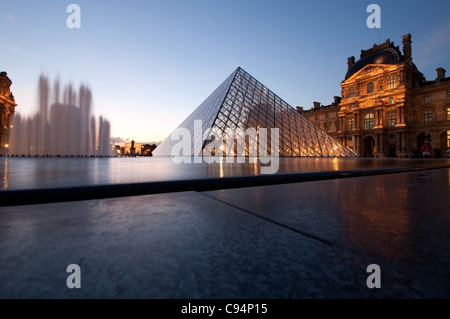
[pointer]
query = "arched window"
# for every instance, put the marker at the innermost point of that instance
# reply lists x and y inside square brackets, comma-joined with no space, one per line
[351,92]
[391,82]
[370,87]
[369,121]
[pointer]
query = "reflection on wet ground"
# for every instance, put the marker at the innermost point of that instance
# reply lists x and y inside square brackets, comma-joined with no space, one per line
[403,218]
[293,241]
[34,173]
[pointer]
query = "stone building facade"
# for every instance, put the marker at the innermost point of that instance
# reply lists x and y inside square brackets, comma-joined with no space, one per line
[388,108]
[7,109]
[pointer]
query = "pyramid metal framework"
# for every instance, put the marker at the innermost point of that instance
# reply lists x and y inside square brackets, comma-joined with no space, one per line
[243,102]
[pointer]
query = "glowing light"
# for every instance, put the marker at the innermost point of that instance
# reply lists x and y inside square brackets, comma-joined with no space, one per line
[335,164]
[5,177]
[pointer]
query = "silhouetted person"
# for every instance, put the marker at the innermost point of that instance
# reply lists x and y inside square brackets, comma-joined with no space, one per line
[132,149]
[426,150]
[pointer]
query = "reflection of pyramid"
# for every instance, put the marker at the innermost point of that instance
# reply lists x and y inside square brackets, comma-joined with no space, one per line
[243,102]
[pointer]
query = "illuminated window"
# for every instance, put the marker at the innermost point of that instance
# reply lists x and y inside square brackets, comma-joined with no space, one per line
[391,118]
[427,97]
[370,87]
[391,100]
[448,114]
[428,116]
[369,121]
[351,92]
[448,139]
[391,82]
[351,124]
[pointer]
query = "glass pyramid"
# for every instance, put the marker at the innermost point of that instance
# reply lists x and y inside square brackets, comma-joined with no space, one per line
[242,102]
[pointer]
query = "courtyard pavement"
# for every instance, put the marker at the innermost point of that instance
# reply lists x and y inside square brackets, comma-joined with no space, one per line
[311,239]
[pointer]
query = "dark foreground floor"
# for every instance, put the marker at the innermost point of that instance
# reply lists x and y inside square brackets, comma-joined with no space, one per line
[303,240]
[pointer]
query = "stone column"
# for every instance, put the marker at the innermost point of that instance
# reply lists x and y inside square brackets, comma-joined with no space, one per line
[377,143]
[357,143]
[379,146]
[402,113]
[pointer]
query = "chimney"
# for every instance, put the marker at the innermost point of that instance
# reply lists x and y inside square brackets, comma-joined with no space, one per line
[440,74]
[407,48]
[316,105]
[350,61]
[300,109]
[337,99]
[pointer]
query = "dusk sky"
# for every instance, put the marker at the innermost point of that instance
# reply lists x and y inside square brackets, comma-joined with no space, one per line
[149,64]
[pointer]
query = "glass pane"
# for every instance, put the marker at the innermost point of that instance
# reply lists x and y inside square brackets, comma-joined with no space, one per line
[242,101]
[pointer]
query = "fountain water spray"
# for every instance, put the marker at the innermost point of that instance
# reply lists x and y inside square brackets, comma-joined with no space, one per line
[63,125]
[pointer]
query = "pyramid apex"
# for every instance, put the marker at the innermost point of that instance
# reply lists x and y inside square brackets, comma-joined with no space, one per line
[241,101]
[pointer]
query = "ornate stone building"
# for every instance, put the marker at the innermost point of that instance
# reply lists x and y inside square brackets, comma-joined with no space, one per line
[7,109]
[387,108]
[325,117]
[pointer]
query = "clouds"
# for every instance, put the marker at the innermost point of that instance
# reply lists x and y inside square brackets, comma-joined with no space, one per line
[118,140]
[11,48]
[438,39]
[434,46]
[8,16]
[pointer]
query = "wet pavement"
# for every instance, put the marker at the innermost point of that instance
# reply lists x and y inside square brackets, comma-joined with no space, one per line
[43,173]
[310,239]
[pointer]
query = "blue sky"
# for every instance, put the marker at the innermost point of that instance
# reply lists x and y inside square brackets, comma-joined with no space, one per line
[149,64]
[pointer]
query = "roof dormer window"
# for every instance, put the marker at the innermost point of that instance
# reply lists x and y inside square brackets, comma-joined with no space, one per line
[369,87]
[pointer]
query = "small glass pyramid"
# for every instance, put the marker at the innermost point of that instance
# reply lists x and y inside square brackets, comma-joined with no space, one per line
[242,102]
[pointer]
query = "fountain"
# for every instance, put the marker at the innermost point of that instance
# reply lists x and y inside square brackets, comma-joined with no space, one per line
[62,127]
